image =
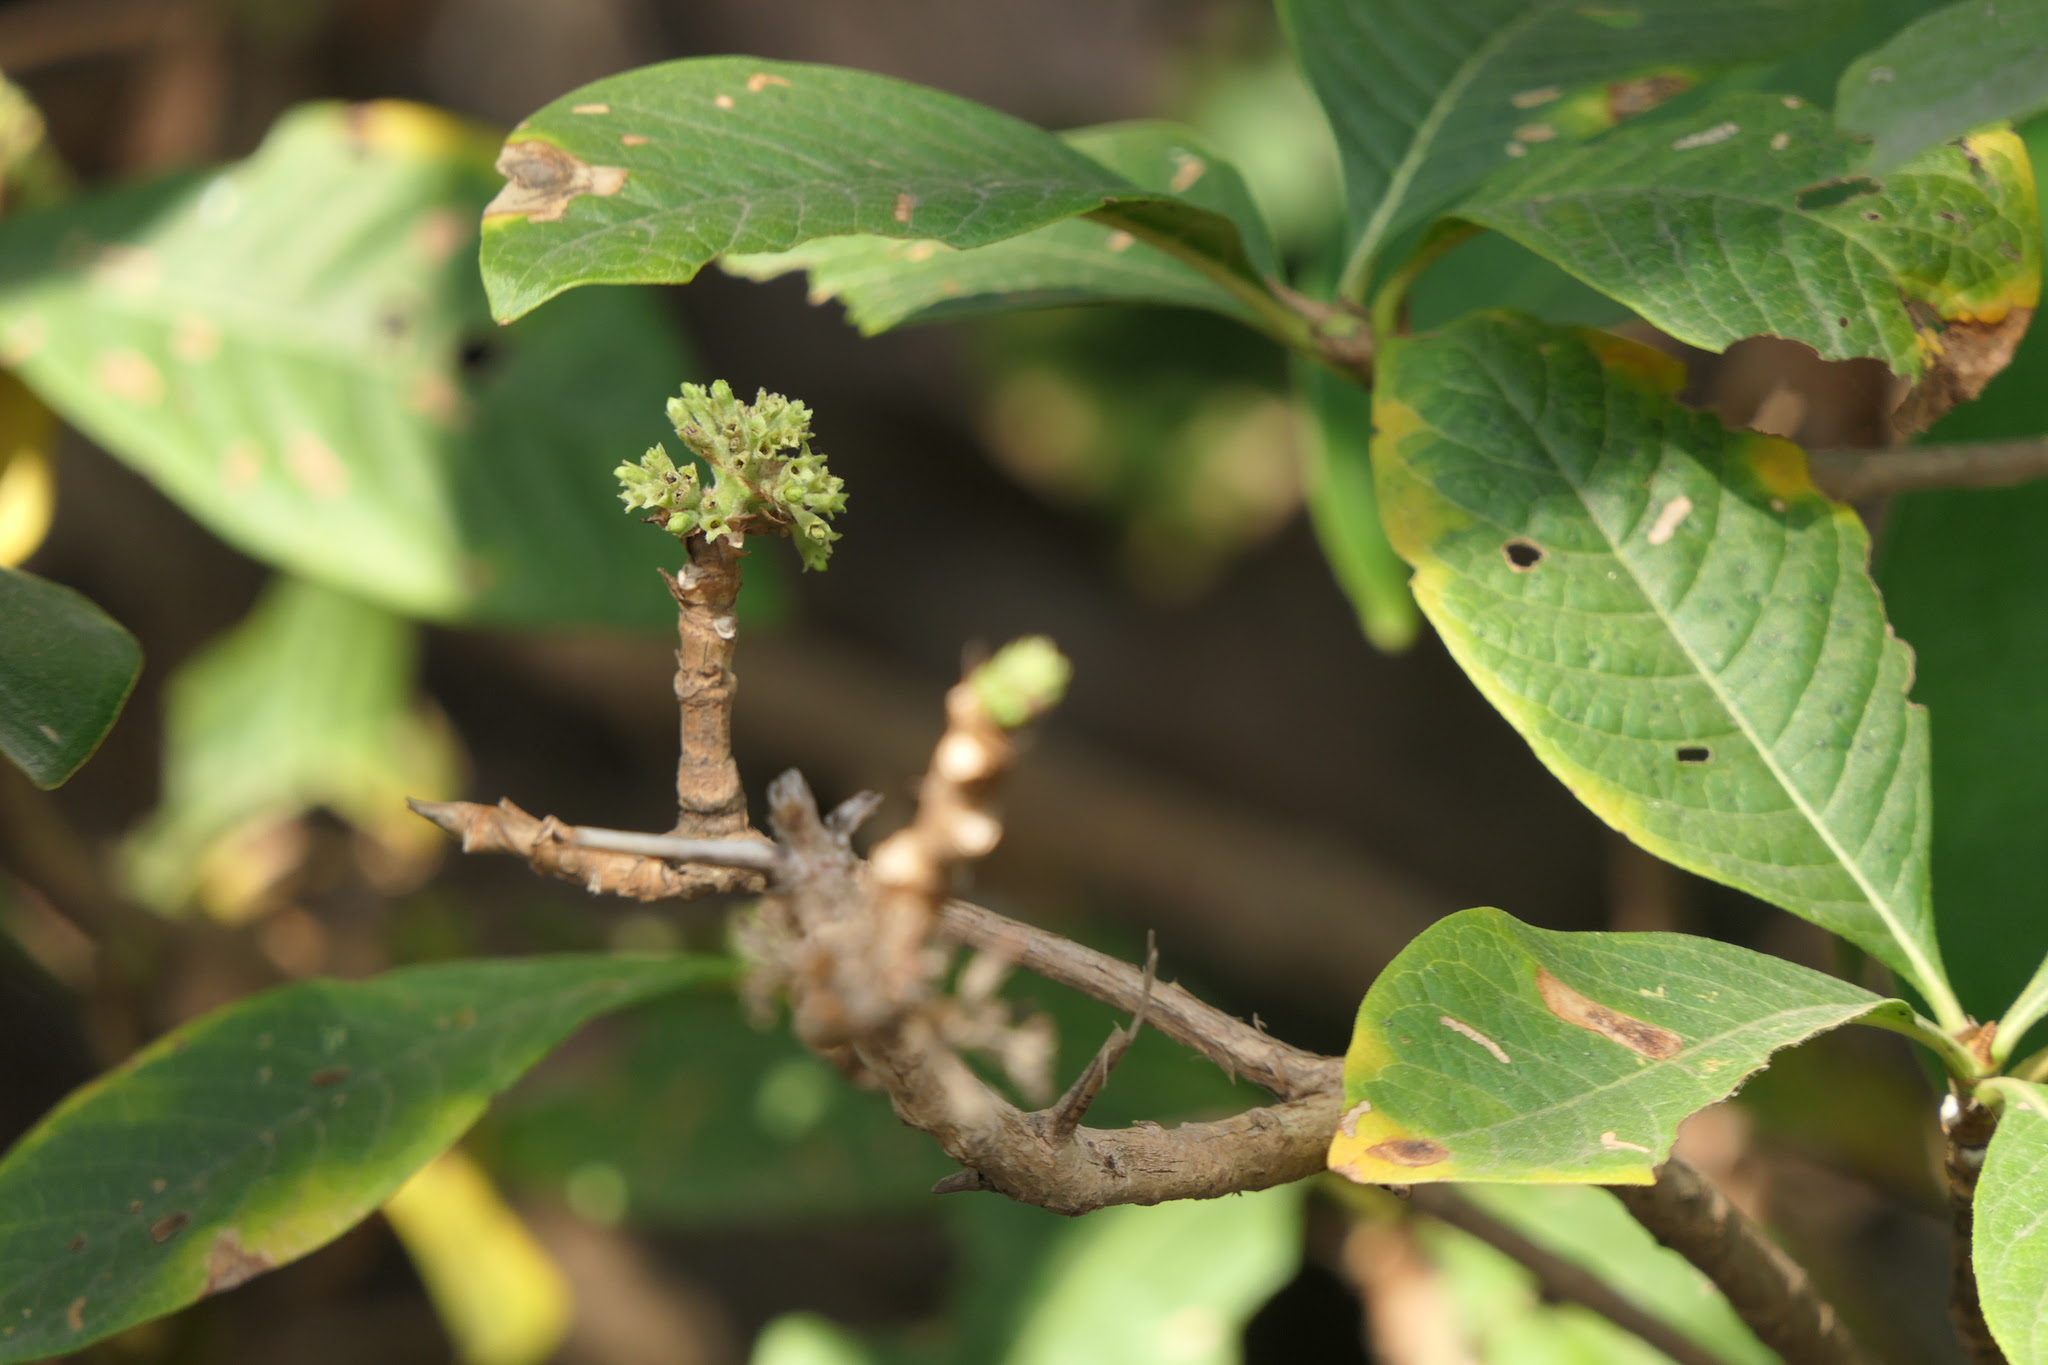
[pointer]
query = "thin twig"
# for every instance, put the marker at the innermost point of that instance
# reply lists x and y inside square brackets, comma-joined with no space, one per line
[1074,1105]
[1768,1289]
[1556,1277]
[1239,1049]
[758,854]
[1859,475]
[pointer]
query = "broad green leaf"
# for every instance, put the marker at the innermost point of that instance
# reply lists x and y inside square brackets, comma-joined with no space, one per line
[1954,70]
[65,669]
[1172,1284]
[1752,216]
[648,176]
[886,282]
[1427,98]
[297,350]
[2009,1243]
[806,1339]
[1489,1050]
[1966,586]
[1590,1229]
[1680,625]
[308,702]
[259,1132]
[1345,510]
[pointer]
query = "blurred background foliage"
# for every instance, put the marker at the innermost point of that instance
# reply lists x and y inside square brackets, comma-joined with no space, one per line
[369,546]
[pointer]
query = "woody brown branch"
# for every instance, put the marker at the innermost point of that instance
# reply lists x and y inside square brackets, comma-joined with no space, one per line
[1768,1289]
[1859,475]
[1968,1127]
[710,801]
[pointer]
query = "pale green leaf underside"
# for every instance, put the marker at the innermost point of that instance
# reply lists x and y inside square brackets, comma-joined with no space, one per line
[1426,97]
[262,1131]
[735,155]
[1959,68]
[1679,624]
[2009,1243]
[885,282]
[1470,1069]
[296,349]
[65,670]
[308,702]
[1751,217]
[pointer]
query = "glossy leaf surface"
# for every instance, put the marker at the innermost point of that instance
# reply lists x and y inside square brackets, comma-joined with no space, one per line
[296,349]
[1490,1050]
[648,176]
[1427,97]
[308,702]
[259,1132]
[886,283]
[2009,1243]
[66,667]
[1752,216]
[1672,615]
[1946,74]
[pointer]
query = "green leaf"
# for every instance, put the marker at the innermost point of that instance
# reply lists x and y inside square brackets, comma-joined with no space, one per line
[259,1132]
[887,282]
[1954,70]
[648,176]
[2009,1244]
[65,669]
[1427,98]
[1173,1284]
[1752,216]
[1489,1050]
[1346,511]
[297,350]
[1675,619]
[308,702]
[1964,582]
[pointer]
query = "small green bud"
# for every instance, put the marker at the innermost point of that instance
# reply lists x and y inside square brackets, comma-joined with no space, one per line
[755,487]
[1025,679]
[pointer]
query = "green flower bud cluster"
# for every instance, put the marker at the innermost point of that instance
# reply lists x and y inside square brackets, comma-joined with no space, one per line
[755,487]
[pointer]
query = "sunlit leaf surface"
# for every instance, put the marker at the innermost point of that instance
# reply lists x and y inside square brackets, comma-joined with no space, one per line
[1490,1050]
[1680,625]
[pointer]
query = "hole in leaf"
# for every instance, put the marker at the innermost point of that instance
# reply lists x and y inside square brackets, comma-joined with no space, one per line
[1523,554]
[1829,193]
[1694,753]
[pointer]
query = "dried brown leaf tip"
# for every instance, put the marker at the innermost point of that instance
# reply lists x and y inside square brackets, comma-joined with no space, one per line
[1966,356]
[541,180]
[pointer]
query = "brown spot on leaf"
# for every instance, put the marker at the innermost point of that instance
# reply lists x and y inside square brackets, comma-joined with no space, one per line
[1626,99]
[723,101]
[1409,1151]
[1967,355]
[315,465]
[1642,1038]
[329,1075]
[541,180]
[761,80]
[1522,554]
[1348,1125]
[127,373]
[590,109]
[75,1315]
[465,1017]
[1187,169]
[77,1243]
[166,1227]
[228,1265]
[905,203]
[634,139]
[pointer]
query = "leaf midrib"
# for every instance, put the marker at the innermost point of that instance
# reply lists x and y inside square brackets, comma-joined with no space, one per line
[1926,977]
[1421,143]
